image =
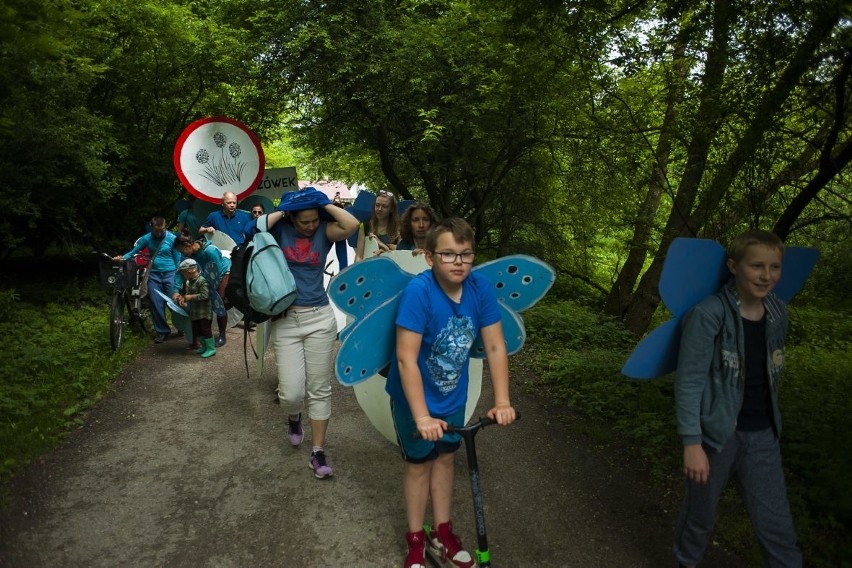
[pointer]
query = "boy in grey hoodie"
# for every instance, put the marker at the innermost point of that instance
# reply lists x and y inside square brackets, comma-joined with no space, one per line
[726,394]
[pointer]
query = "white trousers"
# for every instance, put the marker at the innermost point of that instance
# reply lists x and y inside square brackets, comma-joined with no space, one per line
[303,342]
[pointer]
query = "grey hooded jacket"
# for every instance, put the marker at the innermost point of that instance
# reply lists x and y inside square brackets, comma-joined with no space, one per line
[710,379]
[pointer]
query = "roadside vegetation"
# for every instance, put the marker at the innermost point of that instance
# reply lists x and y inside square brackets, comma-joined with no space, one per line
[57,363]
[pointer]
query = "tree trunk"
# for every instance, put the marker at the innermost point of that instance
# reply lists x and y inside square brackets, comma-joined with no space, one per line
[829,165]
[681,222]
[622,289]
[645,299]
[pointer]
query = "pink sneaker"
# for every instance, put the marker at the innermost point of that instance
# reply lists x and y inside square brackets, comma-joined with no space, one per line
[446,548]
[320,466]
[416,550]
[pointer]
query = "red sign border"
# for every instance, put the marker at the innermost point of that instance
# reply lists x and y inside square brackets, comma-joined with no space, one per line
[195,126]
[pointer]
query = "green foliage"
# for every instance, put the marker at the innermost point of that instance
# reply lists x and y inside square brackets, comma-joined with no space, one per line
[8,301]
[577,356]
[825,327]
[571,326]
[817,414]
[50,380]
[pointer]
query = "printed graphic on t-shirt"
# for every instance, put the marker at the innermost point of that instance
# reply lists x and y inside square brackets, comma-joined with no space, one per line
[302,252]
[449,353]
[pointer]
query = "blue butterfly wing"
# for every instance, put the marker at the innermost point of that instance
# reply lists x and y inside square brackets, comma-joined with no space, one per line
[656,355]
[364,286]
[798,264]
[693,270]
[369,346]
[519,280]
[403,205]
[361,209]
[514,333]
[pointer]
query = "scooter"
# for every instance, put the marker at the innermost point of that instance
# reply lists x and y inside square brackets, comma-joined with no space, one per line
[482,555]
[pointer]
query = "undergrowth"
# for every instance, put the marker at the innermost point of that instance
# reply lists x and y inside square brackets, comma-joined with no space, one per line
[577,355]
[57,363]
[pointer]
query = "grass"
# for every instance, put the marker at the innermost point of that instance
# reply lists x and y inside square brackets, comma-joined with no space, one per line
[583,372]
[57,364]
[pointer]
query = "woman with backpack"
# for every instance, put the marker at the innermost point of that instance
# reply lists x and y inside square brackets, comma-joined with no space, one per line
[305,226]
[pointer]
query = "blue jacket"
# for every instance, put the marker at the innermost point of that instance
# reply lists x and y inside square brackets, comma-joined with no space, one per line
[710,379]
[168,257]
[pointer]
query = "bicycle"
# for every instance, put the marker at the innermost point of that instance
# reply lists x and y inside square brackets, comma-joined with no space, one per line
[127,308]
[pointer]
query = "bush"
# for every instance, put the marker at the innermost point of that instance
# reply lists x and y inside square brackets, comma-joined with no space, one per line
[65,365]
[572,326]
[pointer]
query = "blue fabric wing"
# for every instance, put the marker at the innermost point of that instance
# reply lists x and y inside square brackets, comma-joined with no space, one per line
[404,204]
[657,354]
[368,347]
[364,286]
[514,333]
[180,318]
[519,280]
[798,264]
[361,209]
[693,269]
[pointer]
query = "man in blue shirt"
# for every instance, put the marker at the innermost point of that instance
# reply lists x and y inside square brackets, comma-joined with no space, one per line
[229,220]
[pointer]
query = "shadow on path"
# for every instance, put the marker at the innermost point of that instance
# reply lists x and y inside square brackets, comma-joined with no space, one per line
[186,463]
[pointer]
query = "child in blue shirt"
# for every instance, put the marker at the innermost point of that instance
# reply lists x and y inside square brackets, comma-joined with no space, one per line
[440,315]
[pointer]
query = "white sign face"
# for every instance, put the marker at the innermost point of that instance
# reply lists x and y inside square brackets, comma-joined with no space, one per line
[276,181]
[215,155]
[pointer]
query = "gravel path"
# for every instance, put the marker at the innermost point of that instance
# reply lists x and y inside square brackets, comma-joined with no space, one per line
[186,463]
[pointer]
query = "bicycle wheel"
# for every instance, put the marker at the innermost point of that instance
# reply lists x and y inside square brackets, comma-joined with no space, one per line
[140,315]
[117,320]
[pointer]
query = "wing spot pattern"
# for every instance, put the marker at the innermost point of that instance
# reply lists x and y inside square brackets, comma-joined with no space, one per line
[526,279]
[512,269]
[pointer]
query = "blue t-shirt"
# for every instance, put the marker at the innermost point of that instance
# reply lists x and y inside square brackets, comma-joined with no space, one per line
[449,330]
[306,257]
[233,226]
[168,257]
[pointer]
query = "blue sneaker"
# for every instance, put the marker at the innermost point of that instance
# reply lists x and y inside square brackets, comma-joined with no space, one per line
[296,433]
[319,465]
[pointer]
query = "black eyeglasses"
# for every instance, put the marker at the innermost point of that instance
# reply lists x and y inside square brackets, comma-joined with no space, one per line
[451,257]
[257,212]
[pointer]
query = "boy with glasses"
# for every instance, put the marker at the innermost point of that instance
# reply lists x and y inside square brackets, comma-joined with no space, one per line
[440,315]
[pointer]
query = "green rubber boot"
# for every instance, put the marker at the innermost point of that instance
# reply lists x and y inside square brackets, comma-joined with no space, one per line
[203,347]
[210,343]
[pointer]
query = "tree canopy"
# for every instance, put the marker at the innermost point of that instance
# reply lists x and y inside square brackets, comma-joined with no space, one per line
[589,134]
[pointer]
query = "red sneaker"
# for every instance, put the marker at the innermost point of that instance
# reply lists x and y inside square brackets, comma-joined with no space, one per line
[446,548]
[416,554]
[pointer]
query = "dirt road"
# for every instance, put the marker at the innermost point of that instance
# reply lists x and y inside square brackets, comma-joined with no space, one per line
[186,464]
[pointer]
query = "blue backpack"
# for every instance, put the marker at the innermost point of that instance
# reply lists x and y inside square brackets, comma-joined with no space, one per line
[270,285]
[261,284]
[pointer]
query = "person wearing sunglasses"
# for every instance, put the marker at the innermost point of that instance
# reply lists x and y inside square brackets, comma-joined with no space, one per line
[383,227]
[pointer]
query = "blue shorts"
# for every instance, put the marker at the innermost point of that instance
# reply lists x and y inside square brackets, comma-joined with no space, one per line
[415,449]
